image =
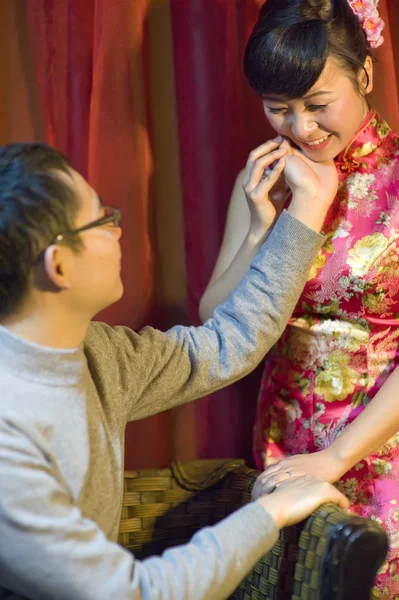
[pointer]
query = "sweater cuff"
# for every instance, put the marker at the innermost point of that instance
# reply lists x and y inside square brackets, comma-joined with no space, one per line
[251,528]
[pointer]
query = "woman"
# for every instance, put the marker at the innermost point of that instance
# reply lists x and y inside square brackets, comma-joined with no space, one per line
[311,63]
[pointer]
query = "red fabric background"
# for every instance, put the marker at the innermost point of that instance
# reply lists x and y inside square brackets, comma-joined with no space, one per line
[92,63]
[220,120]
[90,57]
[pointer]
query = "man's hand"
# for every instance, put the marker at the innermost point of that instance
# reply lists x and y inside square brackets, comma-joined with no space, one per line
[324,465]
[295,499]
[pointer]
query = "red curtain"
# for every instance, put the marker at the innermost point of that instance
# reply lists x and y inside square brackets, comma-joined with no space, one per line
[91,68]
[220,120]
[148,99]
[89,57]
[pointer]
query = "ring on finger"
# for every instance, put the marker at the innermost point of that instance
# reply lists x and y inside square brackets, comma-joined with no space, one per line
[266,173]
[269,169]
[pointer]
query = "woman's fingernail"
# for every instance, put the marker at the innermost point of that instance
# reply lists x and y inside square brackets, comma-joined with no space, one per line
[278,139]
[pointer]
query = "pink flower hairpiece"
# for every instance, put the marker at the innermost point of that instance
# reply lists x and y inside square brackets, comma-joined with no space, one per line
[370,20]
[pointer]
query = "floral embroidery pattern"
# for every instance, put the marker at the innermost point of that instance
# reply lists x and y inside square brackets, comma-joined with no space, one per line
[342,341]
[365,252]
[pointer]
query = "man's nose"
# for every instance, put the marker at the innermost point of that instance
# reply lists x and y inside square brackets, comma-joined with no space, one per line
[117,231]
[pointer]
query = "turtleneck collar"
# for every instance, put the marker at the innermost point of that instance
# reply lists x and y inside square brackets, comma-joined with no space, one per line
[39,363]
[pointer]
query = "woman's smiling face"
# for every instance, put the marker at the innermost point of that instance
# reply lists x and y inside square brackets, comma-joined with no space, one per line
[324,121]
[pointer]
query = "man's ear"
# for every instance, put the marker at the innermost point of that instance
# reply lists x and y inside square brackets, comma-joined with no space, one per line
[55,266]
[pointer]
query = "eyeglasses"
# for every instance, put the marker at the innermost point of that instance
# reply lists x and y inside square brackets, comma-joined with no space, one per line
[112,217]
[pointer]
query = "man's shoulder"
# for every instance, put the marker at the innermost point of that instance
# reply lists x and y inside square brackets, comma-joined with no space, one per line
[100,333]
[122,343]
[105,342]
[97,330]
[99,341]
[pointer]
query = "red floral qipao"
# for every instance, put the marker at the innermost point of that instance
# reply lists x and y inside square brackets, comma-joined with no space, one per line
[341,343]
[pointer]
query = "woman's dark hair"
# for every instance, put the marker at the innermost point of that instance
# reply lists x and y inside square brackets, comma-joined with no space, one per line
[36,204]
[291,41]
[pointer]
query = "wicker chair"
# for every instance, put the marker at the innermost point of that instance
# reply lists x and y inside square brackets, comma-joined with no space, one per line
[333,555]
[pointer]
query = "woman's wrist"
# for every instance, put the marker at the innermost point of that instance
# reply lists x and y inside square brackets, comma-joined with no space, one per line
[256,237]
[337,463]
[308,209]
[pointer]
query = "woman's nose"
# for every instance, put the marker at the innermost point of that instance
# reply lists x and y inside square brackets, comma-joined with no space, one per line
[303,127]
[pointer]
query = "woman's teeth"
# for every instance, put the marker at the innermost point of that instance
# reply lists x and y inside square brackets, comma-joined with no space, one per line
[318,142]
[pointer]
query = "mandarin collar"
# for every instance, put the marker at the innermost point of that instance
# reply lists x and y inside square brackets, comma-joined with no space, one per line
[372,132]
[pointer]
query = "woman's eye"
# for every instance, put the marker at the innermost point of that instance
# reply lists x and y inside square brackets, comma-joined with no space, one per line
[315,107]
[276,111]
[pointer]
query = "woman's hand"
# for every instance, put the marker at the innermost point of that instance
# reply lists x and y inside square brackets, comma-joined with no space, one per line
[309,179]
[313,186]
[263,172]
[323,464]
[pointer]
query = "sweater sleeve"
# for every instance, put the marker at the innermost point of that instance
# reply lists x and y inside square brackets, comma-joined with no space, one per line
[154,371]
[51,550]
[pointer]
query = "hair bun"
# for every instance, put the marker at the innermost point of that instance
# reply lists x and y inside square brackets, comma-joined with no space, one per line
[317,9]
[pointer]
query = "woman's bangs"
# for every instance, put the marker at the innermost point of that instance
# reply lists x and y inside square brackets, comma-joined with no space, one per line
[286,62]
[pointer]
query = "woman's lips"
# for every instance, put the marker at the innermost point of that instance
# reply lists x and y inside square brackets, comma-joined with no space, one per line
[317,145]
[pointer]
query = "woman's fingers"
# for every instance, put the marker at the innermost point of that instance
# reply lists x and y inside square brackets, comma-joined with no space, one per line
[287,145]
[264,156]
[270,471]
[264,164]
[271,483]
[268,481]
[263,149]
[260,183]
[266,184]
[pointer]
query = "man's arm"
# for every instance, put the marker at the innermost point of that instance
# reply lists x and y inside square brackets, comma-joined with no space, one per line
[50,550]
[153,371]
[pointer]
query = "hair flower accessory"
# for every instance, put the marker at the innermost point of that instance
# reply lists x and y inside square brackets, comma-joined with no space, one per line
[370,20]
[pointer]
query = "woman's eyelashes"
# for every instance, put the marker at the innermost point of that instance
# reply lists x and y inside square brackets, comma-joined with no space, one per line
[276,111]
[283,110]
[316,107]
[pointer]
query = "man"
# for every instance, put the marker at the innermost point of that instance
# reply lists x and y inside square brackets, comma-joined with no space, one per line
[69,386]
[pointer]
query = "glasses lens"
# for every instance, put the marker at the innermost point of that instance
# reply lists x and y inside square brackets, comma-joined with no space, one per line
[113,214]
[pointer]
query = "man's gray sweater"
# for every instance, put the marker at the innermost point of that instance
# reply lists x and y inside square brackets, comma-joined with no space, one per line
[62,420]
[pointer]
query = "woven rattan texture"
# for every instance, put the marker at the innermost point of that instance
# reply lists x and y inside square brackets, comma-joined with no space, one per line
[292,569]
[158,513]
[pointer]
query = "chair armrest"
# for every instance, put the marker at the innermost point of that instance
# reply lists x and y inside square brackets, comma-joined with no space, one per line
[333,555]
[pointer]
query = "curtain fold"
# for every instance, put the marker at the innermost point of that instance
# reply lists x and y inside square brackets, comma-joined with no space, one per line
[21,114]
[385,96]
